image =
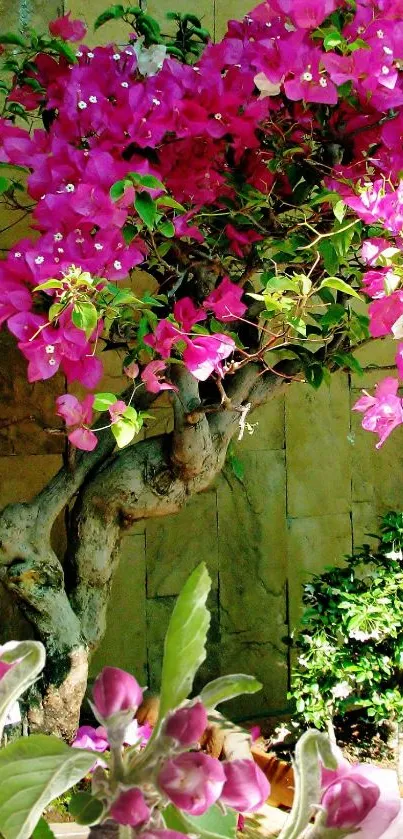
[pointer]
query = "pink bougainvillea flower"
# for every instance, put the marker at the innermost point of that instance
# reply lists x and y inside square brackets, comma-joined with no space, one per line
[225,301]
[151,377]
[373,249]
[192,781]
[78,414]
[88,737]
[382,412]
[187,314]
[69,30]
[204,354]
[130,808]
[116,690]
[306,14]
[241,240]
[362,797]
[83,438]
[164,338]
[117,410]
[384,312]
[246,787]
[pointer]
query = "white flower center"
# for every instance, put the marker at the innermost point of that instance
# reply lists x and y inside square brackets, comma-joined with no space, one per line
[124,84]
[70,187]
[52,362]
[385,70]
[117,264]
[380,33]
[79,54]
[82,105]
[90,55]
[58,237]
[217,116]
[39,260]
[307,76]
[17,254]
[49,349]
[93,100]
[98,246]
[116,56]
[156,101]
[387,50]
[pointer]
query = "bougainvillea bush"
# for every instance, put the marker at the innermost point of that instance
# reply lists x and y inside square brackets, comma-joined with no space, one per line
[256,184]
[172,789]
[350,655]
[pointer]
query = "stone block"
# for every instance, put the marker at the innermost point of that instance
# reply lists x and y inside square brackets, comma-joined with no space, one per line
[27,411]
[318,449]
[366,520]
[225,11]
[313,544]
[265,660]
[176,545]
[268,433]
[22,477]
[124,642]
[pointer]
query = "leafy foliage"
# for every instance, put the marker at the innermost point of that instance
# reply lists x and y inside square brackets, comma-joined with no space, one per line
[350,649]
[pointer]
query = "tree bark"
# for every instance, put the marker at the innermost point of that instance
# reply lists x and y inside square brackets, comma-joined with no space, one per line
[66,604]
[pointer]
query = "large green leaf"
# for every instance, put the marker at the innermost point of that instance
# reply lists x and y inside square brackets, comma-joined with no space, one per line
[185,641]
[228,687]
[33,771]
[214,824]
[340,285]
[28,659]
[42,830]
[146,208]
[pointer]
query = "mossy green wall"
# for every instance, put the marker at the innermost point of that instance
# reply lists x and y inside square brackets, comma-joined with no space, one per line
[313,487]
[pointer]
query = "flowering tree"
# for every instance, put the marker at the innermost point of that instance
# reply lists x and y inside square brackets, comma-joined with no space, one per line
[257,181]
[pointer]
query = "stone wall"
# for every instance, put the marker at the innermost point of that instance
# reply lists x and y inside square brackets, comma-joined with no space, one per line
[313,486]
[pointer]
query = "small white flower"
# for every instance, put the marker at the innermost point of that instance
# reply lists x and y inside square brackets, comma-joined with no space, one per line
[90,55]
[307,76]
[341,691]
[39,260]
[156,101]
[217,116]
[82,105]
[129,52]
[79,54]
[79,241]
[60,250]
[56,259]
[116,56]
[52,362]
[268,25]
[49,349]
[387,50]
[70,187]
[93,100]
[380,33]
[385,70]
[58,237]
[322,82]
[98,246]
[117,265]
[396,556]
[124,84]
[17,254]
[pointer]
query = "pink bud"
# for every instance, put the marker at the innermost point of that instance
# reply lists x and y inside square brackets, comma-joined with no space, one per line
[348,800]
[4,668]
[186,725]
[115,690]
[246,787]
[193,781]
[131,370]
[130,808]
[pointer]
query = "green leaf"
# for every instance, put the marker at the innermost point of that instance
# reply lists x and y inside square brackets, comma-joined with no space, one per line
[167,201]
[13,38]
[333,315]
[228,687]
[85,317]
[146,208]
[339,210]
[185,641]
[28,660]
[42,830]
[214,824]
[117,189]
[314,375]
[102,401]
[55,310]
[5,184]
[348,360]
[147,180]
[85,809]
[112,13]
[340,285]
[123,432]
[167,229]
[64,49]
[332,40]
[48,284]
[33,772]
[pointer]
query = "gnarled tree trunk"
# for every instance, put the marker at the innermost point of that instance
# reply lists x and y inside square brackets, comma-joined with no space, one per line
[67,604]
